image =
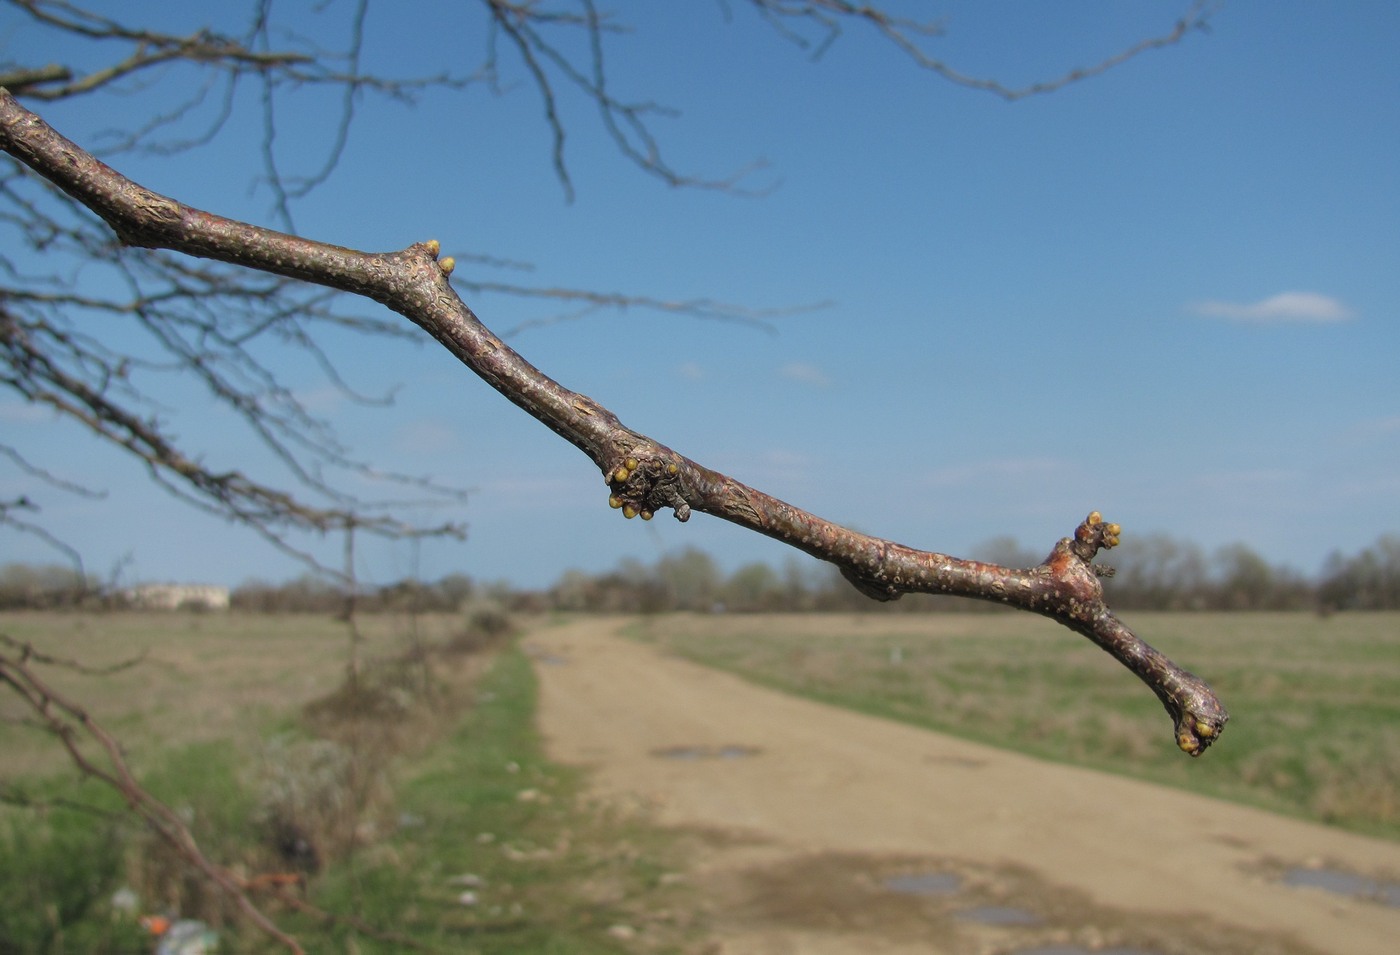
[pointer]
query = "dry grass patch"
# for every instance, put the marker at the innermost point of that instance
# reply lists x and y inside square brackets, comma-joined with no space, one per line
[201,677]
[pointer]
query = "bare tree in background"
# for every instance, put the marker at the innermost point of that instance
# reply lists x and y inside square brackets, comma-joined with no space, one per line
[108,290]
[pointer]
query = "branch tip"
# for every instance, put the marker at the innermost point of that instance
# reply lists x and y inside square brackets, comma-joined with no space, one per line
[1094,535]
[1195,733]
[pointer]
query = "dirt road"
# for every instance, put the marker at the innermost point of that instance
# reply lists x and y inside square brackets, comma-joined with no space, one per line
[824,831]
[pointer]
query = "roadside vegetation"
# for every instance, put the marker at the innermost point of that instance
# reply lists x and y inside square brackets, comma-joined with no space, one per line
[411,803]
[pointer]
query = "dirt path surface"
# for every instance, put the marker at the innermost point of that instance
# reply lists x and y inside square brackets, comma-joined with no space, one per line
[824,831]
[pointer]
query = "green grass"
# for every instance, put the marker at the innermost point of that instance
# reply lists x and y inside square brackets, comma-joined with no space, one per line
[56,879]
[487,814]
[1314,702]
[234,720]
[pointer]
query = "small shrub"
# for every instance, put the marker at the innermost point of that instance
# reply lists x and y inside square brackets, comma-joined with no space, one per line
[310,797]
[487,628]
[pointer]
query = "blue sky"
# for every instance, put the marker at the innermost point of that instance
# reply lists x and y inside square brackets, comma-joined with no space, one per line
[1170,293]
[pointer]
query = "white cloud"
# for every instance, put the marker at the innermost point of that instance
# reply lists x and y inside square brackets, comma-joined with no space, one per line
[1247,482]
[425,436]
[532,493]
[323,400]
[1373,428]
[802,372]
[17,412]
[998,472]
[1283,307]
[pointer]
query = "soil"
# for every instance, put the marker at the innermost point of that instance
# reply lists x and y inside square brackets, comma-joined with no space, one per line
[813,829]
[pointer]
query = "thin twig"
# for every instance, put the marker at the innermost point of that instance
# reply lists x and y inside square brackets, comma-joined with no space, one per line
[60,715]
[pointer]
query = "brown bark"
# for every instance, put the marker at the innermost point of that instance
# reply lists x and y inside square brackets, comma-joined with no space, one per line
[643,475]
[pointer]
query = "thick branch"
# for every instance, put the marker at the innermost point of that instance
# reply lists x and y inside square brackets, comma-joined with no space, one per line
[643,475]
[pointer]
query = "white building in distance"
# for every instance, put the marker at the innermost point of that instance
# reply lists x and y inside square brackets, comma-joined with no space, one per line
[178,597]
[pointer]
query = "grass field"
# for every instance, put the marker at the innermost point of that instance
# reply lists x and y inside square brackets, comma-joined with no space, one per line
[202,677]
[438,823]
[1314,702]
[461,837]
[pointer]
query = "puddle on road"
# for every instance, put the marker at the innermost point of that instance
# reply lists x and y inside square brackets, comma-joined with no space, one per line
[945,904]
[999,915]
[961,761]
[1341,882]
[1076,950]
[544,657]
[728,751]
[925,883]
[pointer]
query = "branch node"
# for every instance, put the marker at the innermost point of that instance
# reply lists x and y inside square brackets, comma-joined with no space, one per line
[647,479]
[876,588]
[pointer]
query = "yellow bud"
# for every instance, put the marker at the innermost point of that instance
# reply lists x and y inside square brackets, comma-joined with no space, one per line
[629,512]
[434,247]
[447,265]
[1094,518]
[1204,730]
[614,501]
[631,464]
[1113,530]
[646,515]
[673,468]
[1186,742]
[621,474]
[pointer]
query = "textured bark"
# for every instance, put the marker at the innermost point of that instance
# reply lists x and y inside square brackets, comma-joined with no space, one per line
[643,476]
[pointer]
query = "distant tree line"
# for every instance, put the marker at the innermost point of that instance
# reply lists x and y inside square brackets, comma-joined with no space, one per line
[312,594]
[39,587]
[1153,572]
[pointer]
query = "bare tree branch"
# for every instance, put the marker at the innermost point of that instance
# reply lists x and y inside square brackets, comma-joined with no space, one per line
[202,322]
[70,722]
[643,475]
[909,36]
[206,322]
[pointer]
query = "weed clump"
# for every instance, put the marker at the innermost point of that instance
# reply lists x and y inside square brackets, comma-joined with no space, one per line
[487,628]
[311,796]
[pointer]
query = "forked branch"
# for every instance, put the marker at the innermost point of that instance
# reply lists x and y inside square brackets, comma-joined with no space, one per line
[643,476]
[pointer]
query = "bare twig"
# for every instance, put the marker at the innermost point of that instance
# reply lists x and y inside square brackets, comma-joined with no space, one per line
[908,35]
[27,652]
[206,322]
[70,722]
[643,475]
